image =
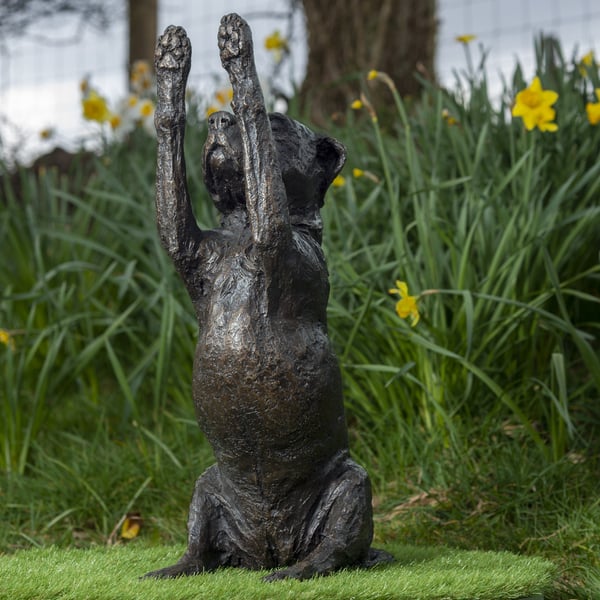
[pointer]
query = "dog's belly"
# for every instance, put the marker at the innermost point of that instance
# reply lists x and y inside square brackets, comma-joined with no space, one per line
[268,397]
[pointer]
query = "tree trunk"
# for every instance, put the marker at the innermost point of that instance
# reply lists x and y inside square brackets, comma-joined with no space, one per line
[143,17]
[348,38]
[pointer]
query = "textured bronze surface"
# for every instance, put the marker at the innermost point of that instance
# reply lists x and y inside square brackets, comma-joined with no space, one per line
[266,384]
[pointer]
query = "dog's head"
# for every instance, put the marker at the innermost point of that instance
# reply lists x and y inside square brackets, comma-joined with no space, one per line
[308,162]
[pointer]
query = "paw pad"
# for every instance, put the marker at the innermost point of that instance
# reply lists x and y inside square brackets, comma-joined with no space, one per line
[234,38]
[173,50]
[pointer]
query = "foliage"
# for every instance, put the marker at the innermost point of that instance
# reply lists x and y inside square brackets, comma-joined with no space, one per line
[478,425]
[136,110]
[91,301]
[494,224]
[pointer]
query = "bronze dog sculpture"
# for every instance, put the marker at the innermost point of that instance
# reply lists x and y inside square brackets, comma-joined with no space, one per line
[266,384]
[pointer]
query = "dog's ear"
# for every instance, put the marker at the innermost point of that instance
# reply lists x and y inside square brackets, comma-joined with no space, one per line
[330,158]
[331,154]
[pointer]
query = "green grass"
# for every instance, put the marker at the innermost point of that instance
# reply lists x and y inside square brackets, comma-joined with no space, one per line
[419,574]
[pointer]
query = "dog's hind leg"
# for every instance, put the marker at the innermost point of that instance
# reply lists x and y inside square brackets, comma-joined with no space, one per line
[340,527]
[209,546]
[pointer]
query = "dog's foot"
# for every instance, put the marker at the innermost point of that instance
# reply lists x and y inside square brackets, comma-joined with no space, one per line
[173,51]
[306,570]
[235,46]
[377,557]
[172,60]
[180,569]
[298,571]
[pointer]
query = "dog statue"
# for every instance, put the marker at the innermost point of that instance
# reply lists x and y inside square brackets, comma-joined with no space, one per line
[267,390]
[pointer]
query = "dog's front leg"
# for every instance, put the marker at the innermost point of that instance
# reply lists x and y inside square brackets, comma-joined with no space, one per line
[179,233]
[265,191]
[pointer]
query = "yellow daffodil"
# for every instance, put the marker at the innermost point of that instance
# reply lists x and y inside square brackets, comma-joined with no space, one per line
[146,109]
[131,526]
[141,76]
[339,181]
[406,307]
[533,105]
[384,78]
[115,121]
[222,101]
[6,338]
[276,41]
[450,120]
[593,109]
[146,116]
[224,97]
[125,117]
[363,101]
[140,68]
[95,108]
[47,133]
[210,110]
[588,59]
[276,44]
[466,38]
[358,173]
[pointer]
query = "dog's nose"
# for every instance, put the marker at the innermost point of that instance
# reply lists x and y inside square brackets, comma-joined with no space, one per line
[220,120]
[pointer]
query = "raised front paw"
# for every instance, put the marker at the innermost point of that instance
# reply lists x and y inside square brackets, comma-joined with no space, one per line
[173,51]
[235,45]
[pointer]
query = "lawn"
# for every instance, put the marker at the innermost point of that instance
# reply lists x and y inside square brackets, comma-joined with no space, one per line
[419,574]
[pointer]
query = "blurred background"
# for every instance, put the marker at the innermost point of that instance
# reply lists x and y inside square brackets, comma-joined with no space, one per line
[46,51]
